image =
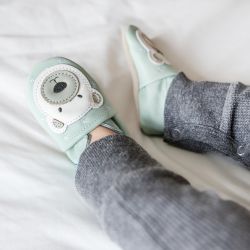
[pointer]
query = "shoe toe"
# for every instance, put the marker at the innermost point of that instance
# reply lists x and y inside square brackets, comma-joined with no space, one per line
[149,62]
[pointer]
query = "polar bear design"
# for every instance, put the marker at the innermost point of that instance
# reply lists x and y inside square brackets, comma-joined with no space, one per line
[64,95]
[154,54]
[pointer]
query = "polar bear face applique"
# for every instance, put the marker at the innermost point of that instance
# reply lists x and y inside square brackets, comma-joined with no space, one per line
[64,95]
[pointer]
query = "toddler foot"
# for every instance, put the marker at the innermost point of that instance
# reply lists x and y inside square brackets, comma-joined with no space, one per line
[68,104]
[100,132]
[152,77]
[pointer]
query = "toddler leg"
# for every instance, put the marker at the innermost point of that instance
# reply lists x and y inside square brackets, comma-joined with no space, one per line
[143,206]
[198,116]
[209,116]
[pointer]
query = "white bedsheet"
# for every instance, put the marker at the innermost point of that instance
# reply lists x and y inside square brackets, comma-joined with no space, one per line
[39,206]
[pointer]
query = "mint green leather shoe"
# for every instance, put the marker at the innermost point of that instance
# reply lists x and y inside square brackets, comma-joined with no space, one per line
[152,76]
[68,104]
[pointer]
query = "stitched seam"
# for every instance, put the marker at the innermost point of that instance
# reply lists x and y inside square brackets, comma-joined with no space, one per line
[90,106]
[227,111]
[171,75]
[212,130]
[64,100]
[40,78]
[228,151]
[149,48]
[75,71]
[76,137]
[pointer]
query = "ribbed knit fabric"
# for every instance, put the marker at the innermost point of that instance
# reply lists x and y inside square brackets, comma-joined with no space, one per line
[209,116]
[142,206]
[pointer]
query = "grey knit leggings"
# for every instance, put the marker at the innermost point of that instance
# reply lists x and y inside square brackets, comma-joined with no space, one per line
[143,206]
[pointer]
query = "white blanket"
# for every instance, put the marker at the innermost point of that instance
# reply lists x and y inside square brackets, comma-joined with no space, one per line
[39,206]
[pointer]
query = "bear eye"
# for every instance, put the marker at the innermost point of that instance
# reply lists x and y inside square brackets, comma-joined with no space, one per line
[80,96]
[60,109]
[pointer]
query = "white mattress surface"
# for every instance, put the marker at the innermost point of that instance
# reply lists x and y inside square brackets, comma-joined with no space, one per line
[39,206]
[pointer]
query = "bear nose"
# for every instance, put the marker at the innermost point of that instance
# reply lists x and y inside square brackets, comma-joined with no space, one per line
[59,87]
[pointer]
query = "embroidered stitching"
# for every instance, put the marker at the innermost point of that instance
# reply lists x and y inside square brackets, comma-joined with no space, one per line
[39,80]
[76,88]
[154,54]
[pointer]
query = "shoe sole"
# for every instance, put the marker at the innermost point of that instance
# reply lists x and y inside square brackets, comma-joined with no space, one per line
[132,68]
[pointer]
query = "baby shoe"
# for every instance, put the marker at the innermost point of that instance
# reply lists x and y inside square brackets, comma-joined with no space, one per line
[68,104]
[152,76]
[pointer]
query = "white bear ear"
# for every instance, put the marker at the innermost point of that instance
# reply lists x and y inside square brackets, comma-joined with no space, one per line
[56,125]
[157,57]
[97,98]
